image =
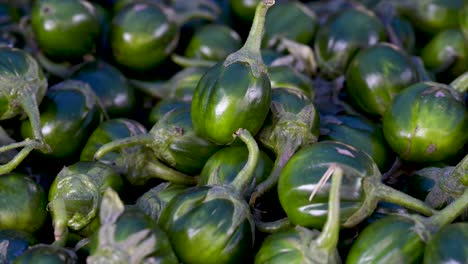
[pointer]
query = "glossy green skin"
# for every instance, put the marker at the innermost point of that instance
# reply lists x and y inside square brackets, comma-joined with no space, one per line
[156,199]
[22,203]
[47,254]
[229,98]
[20,74]
[77,187]
[131,221]
[361,134]
[446,52]
[389,240]
[303,171]
[18,242]
[142,36]
[284,76]
[426,123]
[376,75]
[68,117]
[432,16]
[448,245]
[115,93]
[108,131]
[338,40]
[163,107]
[64,30]
[290,20]
[209,224]
[244,10]
[223,166]
[187,151]
[213,42]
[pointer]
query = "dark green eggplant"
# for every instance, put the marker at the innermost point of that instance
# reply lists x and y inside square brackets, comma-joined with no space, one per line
[361,189]
[300,245]
[109,84]
[338,40]
[172,140]
[243,10]
[427,121]
[360,133]
[446,53]
[402,239]
[222,167]
[15,243]
[209,44]
[23,203]
[75,196]
[65,30]
[213,223]
[47,254]
[163,107]
[70,112]
[143,34]
[444,246]
[284,76]
[376,74]
[235,93]
[156,199]
[22,89]
[127,235]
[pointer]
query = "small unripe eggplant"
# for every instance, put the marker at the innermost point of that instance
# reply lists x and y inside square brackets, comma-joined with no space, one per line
[49,254]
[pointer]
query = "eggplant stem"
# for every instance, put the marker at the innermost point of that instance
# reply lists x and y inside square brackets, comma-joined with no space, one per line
[451,212]
[12,164]
[328,238]
[122,143]
[159,170]
[191,62]
[460,83]
[246,174]
[273,227]
[59,220]
[31,108]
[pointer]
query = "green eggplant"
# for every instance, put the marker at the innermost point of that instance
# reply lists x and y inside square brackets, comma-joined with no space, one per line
[284,76]
[222,167]
[23,203]
[427,121]
[243,10]
[47,254]
[127,235]
[110,85]
[23,87]
[444,246]
[75,196]
[360,133]
[172,140]
[65,30]
[446,53]
[402,238]
[70,112]
[405,33]
[376,74]
[143,34]
[235,93]
[163,107]
[156,199]
[15,242]
[213,223]
[338,40]
[361,189]
[209,44]
[300,245]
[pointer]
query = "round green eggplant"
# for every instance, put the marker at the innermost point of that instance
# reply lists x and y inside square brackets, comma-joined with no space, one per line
[47,254]
[376,74]
[361,189]
[235,93]
[69,113]
[338,40]
[65,30]
[16,243]
[426,122]
[283,76]
[444,246]
[75,196]
[361,134]
[109,84]
[22,204]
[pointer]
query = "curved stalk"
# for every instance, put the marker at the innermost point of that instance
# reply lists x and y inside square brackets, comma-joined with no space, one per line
[159,170]
[31,108]
[460,83]
[273,227]
[59,221]
[122,143]
[244,177]
[13,163]
[451,212]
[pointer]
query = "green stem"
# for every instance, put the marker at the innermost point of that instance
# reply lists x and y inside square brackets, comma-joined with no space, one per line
[31,108]
[461,171]
[59,221]
[191,62]
[122,143]
[460,83]
[183,18]
[159,170]
[451,212]
[388,194]
[244,177]
[157,89]
[12,164]
[328,239]
[16,145]
[254,40]
[273,227]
